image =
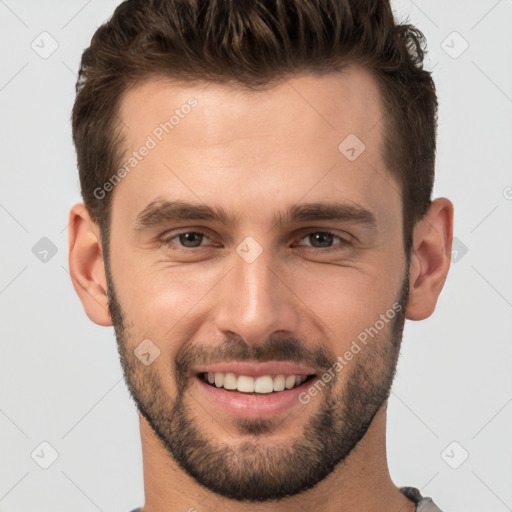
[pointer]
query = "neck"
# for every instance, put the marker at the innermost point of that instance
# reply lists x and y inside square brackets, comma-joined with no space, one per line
[361,483]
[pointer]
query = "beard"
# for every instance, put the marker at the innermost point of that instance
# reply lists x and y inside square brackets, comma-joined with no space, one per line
[250,469]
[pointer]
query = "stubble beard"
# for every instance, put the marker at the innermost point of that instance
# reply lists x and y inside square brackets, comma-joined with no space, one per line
[250,468]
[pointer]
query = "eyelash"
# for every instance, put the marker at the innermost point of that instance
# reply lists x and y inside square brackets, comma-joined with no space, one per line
[344,242]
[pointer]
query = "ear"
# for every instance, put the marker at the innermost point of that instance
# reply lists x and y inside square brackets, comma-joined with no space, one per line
[430,259]
[86,265]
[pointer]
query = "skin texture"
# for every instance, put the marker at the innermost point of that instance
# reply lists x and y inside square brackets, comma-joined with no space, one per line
[253,154]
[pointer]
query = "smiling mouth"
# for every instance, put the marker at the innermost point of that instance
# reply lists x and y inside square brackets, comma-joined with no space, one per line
[264,384]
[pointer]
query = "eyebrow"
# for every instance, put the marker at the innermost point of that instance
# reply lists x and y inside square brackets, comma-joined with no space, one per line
[161,211]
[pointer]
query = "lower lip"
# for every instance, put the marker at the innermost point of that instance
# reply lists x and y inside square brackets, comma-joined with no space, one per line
[253,405]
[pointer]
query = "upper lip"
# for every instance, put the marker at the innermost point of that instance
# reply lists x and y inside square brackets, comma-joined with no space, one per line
[256,369]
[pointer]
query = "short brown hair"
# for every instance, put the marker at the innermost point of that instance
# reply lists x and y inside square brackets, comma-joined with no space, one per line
[255,43]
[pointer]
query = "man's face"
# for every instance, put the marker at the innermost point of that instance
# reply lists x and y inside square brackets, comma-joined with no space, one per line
[258,295]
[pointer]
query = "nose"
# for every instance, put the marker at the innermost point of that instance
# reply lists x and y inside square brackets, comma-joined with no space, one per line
[256,300]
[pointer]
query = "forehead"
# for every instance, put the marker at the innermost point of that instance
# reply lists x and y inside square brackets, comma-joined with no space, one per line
[309,104]
[308,134]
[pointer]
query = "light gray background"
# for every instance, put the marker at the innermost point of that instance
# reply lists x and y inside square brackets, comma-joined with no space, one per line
[60,379]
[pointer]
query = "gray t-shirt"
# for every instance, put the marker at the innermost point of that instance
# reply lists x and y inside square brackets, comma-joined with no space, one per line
[422,504]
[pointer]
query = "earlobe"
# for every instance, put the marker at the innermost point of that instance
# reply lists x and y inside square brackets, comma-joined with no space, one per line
[86,265]
[430,259]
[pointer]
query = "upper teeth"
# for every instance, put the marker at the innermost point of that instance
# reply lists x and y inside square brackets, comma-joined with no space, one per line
[263,384]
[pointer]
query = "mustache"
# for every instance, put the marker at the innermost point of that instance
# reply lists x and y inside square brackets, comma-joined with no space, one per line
[237,349]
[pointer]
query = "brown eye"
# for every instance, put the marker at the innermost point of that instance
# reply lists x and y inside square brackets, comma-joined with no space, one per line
[187,239]
[323,240]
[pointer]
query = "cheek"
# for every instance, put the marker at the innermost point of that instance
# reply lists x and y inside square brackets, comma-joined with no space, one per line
[347,301]
[161,302]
